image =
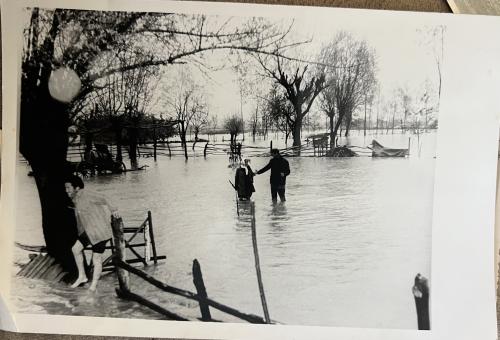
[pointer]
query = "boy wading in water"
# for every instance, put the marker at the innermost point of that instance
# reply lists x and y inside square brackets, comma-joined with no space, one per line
[93,217]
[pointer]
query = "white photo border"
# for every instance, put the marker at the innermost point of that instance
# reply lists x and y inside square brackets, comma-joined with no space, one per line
[463,283]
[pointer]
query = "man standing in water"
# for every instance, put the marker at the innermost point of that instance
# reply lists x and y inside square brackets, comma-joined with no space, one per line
[279,170]
[93,217]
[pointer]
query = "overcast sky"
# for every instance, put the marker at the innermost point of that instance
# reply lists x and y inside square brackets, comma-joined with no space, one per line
[403,59]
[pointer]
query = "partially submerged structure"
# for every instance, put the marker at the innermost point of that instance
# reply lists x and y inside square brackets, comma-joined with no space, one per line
[378,150]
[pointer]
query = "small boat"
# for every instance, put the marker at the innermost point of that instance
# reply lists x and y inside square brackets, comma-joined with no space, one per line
[378,150]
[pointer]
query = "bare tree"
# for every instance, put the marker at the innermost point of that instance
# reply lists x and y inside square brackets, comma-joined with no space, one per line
[200,119]
[393,108]
[379,101]
[213,123]
[254,122]
[279,110]
[188,105]
[429,103]
[349,66]
[368,101]
[234,126]
[425,104]
[124,98]
[405,103]
[265,119]
[433,39]
[327,104]
[301,87]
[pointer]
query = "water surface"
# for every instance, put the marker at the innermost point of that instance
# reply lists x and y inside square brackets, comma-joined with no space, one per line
[342,251]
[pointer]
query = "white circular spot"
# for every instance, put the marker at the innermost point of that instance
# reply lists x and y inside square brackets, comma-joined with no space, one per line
[64,84]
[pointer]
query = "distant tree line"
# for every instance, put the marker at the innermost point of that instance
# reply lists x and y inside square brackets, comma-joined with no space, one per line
[342,81]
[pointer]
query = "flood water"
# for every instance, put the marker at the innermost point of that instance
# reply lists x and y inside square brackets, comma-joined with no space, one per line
[342,251]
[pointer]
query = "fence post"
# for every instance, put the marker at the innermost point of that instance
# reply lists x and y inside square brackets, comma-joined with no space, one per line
[409,144]
[201,291]
[152,236]
[421,293]
[205,150]
[169,151]
[154,150]
[257,265]
[147,243]
[119,243]
[270,146]
[154,140]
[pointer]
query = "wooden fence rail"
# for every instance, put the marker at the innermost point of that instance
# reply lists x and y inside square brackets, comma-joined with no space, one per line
[257,264]
[125,294]
[148,245]
[187,294]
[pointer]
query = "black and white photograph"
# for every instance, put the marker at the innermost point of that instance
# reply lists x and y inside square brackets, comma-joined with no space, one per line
[192,166]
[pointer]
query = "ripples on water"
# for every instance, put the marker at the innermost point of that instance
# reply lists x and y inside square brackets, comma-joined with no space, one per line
[342,251]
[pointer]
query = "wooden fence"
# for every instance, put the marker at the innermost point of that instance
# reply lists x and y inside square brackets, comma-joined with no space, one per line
[205,303]
[313,147]
[148,244]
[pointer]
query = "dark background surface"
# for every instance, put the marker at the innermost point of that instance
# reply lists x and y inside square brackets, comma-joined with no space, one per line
[404,5]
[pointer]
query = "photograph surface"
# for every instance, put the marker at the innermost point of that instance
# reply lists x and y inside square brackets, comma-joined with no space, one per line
[483,7]
[227,168]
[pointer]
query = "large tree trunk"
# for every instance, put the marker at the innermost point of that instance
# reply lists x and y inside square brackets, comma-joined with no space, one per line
[296,130]
[44,142]
[338,125]
[132,143]
[117,128]
[58,219]
[336,129]
[196,132]
[332,135]
[348,126]
[182,133]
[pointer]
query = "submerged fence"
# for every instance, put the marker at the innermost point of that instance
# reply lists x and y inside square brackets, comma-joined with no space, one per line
[205,303]
[205,149]
[312,147]
[148,245]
